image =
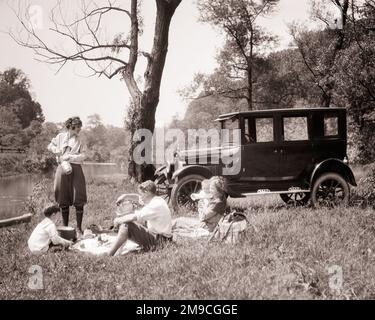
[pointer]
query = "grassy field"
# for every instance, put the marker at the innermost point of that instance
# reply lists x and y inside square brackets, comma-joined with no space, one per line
[288,253]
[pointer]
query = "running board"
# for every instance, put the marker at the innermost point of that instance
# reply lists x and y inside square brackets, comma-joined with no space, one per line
[267,191]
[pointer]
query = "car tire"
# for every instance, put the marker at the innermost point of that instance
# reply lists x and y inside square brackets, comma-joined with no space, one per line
[296,199]
[181,191]
[330,190]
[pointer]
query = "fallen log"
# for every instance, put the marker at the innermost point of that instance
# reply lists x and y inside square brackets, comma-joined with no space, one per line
[16,220]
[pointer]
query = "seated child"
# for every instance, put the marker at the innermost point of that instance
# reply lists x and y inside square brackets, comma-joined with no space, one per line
[202,197]
[45,233]
[155,214]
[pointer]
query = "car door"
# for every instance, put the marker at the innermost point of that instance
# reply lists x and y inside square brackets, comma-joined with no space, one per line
[260,158]
[296,150]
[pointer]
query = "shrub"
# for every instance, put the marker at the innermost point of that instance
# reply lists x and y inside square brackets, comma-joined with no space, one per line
[11,165]
[365,191]
[40,197]
[41,164]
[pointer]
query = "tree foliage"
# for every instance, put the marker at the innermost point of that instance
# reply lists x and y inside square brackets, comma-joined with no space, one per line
[20,115]
[240,60]
[15,95]
[105,143]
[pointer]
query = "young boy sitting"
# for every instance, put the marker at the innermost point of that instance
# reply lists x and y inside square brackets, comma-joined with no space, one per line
[46,233]
[155,213]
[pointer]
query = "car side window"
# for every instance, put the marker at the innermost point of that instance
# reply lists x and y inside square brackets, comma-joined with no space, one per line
[264,129]
[295,129]
[331,127]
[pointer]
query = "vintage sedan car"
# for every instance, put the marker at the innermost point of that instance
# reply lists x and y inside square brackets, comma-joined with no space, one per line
[300,154]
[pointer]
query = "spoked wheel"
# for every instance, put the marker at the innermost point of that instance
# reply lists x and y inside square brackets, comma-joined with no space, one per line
[182,191]
[295,199]
[330,190]
[162,189]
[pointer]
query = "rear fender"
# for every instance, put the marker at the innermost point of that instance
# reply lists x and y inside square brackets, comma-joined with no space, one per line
[333,165]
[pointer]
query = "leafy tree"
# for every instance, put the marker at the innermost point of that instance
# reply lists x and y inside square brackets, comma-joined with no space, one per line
[355,78]
[10,127]
[15,95]
[105,143]
[39,159]
[320,50]
[240,59]
[339,66]
[95,132]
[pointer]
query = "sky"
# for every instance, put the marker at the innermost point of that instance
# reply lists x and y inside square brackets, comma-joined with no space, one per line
[193,46]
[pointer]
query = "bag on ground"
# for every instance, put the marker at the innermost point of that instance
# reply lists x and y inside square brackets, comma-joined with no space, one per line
[232,227]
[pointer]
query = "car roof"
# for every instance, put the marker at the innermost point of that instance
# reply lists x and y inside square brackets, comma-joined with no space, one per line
[226,116]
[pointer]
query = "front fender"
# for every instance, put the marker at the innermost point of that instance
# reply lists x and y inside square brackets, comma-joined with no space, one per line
[161,171]
[193,169]
[333,165]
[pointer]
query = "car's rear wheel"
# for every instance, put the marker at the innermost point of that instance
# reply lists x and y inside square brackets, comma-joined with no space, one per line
[296,199]
[330,190]
[182,190]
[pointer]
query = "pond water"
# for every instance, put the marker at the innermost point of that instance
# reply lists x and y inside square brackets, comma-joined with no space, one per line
[15,190]
[13,193]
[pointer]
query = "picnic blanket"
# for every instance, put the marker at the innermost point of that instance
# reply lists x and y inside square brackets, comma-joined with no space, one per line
[102,243]
[230,229]
[99,244]
[188,227]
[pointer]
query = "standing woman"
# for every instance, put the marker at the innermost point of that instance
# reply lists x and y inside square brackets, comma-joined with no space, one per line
[70,184]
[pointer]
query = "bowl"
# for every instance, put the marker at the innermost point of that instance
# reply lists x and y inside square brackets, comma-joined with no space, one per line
[66,167]
[68,233]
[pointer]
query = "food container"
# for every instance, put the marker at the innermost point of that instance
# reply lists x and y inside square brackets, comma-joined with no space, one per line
[67,233]
[67,168]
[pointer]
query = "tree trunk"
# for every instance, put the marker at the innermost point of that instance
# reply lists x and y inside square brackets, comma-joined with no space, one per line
[143,117]
[250,71]
[250,87]
[339,45]
[145,104]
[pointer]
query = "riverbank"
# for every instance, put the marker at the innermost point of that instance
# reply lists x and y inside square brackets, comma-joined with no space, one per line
[290,253]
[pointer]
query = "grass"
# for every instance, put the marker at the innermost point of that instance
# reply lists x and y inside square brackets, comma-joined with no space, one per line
[287,254]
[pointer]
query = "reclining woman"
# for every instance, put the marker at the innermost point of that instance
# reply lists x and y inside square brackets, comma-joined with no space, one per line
[216,206]
[212,208]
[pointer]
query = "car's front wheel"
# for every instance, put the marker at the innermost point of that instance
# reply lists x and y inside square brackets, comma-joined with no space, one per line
[162,188]
[182,190]
[330,190]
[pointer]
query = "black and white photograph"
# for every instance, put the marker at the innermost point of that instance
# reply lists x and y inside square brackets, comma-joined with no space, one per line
[187,150]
